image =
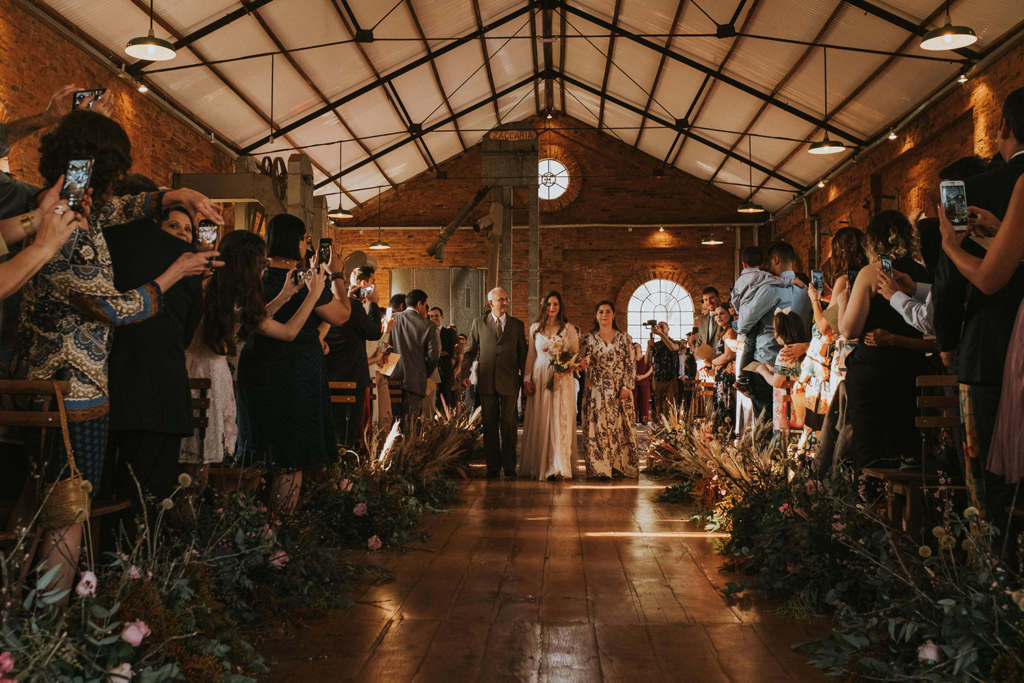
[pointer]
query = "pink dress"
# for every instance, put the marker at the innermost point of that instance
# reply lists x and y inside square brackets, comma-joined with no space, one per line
[1006,454]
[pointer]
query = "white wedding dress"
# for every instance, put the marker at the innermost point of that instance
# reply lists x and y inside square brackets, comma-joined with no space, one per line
[548,446]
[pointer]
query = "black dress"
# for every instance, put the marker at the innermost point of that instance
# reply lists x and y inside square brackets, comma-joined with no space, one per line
[881,386]
[284,403]
[725,392]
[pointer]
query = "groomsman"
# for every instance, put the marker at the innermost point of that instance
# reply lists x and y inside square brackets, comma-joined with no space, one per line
[498,343]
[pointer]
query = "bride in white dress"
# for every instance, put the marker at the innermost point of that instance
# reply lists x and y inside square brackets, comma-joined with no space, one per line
[548,448]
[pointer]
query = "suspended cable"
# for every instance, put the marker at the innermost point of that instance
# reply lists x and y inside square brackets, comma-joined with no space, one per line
[387,15]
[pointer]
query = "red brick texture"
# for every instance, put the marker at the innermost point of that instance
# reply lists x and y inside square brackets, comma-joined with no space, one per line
[964,122]
[35,62]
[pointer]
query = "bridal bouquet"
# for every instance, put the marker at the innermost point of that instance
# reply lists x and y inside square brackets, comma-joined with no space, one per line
[564,362]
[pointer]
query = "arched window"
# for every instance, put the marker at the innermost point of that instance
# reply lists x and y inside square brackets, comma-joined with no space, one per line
[661,300]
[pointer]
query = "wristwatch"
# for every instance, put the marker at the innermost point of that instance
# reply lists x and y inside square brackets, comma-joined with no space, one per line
[28,225]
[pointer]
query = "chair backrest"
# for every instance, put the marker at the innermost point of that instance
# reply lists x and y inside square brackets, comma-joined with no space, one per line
[939,402]
[30,418]
[339,387]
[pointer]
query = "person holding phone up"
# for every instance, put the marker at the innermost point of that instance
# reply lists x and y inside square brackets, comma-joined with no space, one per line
[71,305]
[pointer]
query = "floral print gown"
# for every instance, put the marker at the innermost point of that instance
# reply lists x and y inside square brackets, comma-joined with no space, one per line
[609,423]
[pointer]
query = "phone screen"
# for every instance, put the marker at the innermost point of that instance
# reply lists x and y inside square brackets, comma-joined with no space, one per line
[887,264]
[207,233]
[324,250]
[76,181]
[851,275]
[954,200]
[82,95]
[818,280]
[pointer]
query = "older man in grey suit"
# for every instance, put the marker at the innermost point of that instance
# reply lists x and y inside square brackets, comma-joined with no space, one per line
[498,343]
[415,340]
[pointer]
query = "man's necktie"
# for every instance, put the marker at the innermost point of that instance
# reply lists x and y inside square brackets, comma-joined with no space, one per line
[497,328]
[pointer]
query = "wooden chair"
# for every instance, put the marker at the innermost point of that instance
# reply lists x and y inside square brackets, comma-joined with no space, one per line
[907,502]
[937,402]
[45,419]
[342,386]
[200,420]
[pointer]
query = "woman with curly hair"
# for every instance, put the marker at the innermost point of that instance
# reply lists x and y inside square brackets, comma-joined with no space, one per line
[881,370]
[70,307]
[233,311]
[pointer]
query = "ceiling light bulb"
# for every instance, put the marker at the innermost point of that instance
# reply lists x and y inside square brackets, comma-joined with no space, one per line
[827,146]
[821,183]
[949,37]
[892,134]
[143,88]
[962,78]
[549,115]
[750,207]
[150,48]
[661,228]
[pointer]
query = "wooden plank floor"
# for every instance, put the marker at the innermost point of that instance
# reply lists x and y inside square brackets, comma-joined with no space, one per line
[535,581]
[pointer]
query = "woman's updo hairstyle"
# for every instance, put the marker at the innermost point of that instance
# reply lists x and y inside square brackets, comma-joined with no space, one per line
[84,133]
[890,232]
[284,232]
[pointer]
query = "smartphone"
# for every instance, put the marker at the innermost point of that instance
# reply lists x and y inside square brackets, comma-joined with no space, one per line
[954,200]
[851,275]
[887,264]
[83,95]
[818,280]
[324,250]
[364,292]
[302,276]
[76,181]
[207,234]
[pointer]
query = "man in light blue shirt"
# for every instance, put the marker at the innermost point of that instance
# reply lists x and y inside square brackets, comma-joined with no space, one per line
[761,308]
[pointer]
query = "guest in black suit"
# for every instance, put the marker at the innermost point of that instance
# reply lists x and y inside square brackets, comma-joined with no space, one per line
[982,329]
[446,363]
[346,357]
[150,400]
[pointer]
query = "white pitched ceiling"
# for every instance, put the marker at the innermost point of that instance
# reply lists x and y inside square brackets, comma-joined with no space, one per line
[440,73]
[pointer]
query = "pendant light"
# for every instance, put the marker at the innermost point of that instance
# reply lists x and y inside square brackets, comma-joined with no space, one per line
[749,207]
[341,212]
[711,240]
[380,243]
[948,37]
[826,146]
[150,48]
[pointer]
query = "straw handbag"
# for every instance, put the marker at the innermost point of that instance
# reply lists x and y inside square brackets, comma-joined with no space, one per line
[65,502]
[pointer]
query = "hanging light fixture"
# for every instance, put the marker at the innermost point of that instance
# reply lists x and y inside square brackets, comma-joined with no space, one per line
[948,37]
[892,133]
[661,228]
[826,146]
[963,76]
[150,48]
[821,183]
[143,88]
[380,243]
[711,240]
[341,212]
[749,207]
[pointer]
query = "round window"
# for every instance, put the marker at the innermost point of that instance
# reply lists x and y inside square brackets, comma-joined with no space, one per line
[553,179]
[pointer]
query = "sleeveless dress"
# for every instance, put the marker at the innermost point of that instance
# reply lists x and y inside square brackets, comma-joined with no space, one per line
[284,403]
[548,447]
[222,431]
[1006,454]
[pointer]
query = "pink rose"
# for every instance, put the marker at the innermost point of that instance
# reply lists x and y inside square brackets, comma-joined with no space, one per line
[7,661]
[359,510]
[374,543]
[279,559]
[928,652]
[784,509]
[268,533]
[134,572]
[134,632]
[120,673]
[86,586]
[545,349]
[346,485]
[813,487]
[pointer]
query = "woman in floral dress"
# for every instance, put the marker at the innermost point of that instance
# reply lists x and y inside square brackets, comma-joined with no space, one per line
[609,418]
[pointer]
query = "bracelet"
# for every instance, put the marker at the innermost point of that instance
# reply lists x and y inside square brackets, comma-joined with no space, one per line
[27,225]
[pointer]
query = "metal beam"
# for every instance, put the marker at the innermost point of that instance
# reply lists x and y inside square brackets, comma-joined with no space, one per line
[671,124]
[487,58]
[549,57]
[781,84]
[345,99]
[323,98]
[184,41]
[896,20]
[390,93]
[608,63]
[433,69]
[661,67]
[561,57]
[536,60]
[694,117]
[682,59]
[860,88]
[430,129]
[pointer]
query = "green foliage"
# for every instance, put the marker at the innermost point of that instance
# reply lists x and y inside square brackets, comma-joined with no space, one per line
[677,493]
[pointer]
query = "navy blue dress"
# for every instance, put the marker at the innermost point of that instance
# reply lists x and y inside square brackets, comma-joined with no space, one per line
[284,403]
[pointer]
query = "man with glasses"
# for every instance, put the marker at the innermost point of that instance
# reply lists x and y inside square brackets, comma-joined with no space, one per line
[498,343]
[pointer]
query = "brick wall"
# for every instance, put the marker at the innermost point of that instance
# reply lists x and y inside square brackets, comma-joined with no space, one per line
[586,264]
[35,62]
[964,122]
